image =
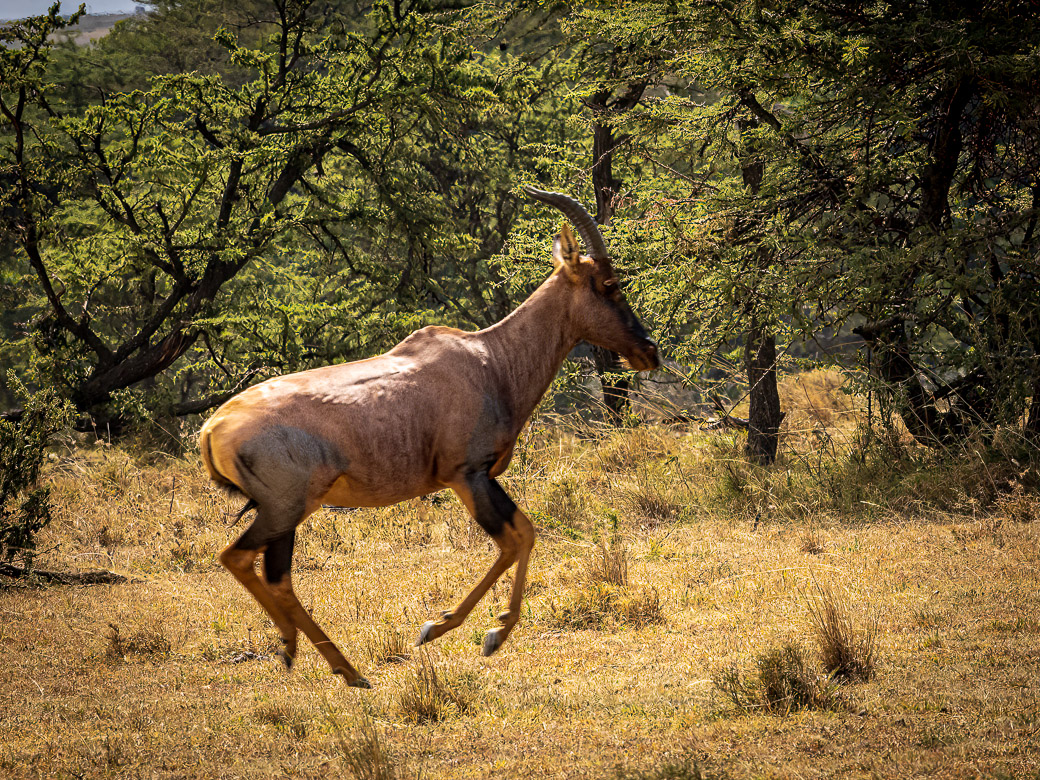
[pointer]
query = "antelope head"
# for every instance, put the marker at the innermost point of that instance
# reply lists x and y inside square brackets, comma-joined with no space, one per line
[599,312]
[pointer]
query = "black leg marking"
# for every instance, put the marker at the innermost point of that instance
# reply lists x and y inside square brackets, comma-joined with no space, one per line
[493,507]
[278,557]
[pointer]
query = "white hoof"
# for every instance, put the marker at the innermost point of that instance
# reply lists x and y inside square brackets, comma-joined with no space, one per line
[424,633]
[494,639]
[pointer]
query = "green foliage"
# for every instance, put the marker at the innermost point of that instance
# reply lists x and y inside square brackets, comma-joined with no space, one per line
[822,166]
[290,183]
[335,178]
[24,506]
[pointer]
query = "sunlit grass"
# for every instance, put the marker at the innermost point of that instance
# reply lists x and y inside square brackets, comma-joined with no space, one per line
[663,560]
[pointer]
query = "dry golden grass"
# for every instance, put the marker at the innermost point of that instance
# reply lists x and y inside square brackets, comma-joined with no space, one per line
[434,692]
[782,681]
[848,649]
[942,550]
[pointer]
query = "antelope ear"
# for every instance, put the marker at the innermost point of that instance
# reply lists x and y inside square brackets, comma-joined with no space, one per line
[565,251]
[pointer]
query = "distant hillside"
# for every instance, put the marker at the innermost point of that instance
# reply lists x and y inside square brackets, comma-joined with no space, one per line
[94,26]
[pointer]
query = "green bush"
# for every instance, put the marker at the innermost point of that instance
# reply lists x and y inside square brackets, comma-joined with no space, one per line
[24,505]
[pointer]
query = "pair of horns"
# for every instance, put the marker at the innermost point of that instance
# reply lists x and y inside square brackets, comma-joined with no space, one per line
[579,217]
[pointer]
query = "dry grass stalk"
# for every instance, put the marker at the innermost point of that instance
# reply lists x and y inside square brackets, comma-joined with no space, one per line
[847,652]
[431,695]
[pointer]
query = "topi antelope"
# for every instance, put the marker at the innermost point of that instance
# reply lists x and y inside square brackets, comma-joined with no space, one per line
[441,409]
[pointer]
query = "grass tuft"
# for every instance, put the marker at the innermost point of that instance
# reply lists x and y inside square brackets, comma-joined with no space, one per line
[283,716]
[362,749]
[684,768]
[146,641]
[600,605]
[387,645]
[567,503]
[812,540]
[651,497]
[847,652]
[783,681]
[643,608]
[608,562]
[432,695]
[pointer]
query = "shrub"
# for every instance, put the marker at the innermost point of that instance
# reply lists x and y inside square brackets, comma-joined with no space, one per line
[24,505]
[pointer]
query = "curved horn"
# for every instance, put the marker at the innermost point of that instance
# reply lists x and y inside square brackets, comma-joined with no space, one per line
[578,216]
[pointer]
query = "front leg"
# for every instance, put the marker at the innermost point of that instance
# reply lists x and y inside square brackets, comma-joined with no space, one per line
[512,531]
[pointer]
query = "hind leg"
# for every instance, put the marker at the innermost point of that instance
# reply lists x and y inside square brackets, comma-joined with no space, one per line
[277,565]
[241,562]
[274,519]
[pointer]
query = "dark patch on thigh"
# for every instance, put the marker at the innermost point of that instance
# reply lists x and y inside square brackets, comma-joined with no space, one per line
[277,467]
[275,519]
[281,460]
[494,508]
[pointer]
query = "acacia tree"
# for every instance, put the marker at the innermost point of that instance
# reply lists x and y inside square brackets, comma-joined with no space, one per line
[898,190]
[148,220]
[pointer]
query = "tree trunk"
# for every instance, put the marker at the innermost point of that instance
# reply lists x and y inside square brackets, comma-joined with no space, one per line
[607,363]
[615,383]
[606,187]
[764,417]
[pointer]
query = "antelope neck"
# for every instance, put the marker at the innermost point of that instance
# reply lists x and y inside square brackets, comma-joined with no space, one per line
[527,348]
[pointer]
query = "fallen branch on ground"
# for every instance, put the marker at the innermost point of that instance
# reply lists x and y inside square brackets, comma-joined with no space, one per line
[65,578]
[726,419]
